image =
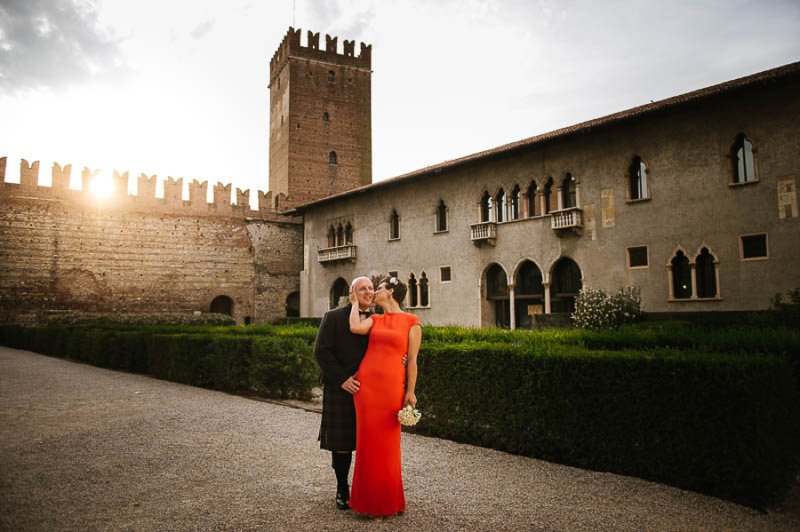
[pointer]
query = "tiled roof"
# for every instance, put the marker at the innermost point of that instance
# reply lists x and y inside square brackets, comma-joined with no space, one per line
[715,90]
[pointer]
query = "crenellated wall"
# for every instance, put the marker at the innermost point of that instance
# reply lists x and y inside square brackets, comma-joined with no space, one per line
[66,252]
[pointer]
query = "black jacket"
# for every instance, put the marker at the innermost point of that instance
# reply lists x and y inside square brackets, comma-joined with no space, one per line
[337,350]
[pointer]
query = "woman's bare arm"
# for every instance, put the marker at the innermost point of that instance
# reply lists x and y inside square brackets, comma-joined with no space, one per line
[414,341]
[357,325]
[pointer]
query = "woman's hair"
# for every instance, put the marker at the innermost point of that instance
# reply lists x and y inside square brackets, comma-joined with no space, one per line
[397,285]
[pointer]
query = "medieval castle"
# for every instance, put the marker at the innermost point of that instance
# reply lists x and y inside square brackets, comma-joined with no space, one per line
[693,199]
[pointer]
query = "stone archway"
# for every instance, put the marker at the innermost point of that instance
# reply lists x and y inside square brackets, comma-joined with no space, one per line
[293,305]
[496,301]
[528,294]
[339,293]
[565,285]
[222,305]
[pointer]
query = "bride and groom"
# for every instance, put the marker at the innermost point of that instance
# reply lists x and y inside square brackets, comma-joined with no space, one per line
[369,371]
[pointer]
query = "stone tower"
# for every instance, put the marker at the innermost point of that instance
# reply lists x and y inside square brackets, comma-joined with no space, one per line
[320,137]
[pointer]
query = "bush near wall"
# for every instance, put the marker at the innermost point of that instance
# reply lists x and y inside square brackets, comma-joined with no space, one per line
[725,423]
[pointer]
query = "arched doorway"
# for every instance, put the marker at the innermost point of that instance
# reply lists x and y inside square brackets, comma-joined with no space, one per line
[497,295]
[222,305]
[293,305]
[340,292]
[565,285]
[528,294]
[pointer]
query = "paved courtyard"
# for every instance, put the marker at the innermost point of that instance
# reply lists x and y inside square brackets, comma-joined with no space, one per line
[92,449]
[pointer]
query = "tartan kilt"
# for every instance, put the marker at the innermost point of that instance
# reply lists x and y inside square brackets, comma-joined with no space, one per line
[337,430]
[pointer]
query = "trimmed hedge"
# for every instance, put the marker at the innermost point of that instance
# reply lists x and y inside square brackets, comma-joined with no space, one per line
[275,363]
[725,425]
[715,411]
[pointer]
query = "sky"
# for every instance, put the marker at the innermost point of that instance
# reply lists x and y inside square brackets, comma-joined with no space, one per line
[179,87]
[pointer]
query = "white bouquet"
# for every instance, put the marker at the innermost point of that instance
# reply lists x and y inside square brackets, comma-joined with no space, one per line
[408,416]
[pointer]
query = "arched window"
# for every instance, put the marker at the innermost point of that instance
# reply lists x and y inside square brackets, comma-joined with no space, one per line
[498,296]
[424,300]
[637,179]
[743,160]
[340,293]
[565,285]
[548,192]
[486,207]
[222,305]
[340,235]
[681,276]
[331,237]
[348,234]
[293,305]
[568,192]
[394,225]
[513,204]
[441,216]
[326,117]
[412,291]
[533,208]
[706,274]
[331,76]
[500,201]
[332,158]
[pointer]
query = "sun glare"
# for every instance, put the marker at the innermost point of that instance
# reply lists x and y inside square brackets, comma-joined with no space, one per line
[101,187]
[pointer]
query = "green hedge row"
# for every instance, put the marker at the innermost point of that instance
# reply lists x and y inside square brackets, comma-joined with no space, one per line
[725,425]
[277,365]
[711,411]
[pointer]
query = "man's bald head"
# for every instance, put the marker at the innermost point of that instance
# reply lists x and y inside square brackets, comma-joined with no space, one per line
[364,291]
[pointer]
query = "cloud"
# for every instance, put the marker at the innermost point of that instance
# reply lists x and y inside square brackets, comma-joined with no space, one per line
[346,19]
[202,29]
[47,44]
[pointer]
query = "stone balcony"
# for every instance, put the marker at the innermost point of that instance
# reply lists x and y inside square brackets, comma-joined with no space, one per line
[571,218]
[483,233]
[336,254]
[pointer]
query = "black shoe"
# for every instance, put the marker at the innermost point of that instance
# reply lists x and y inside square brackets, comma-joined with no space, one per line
[343,500]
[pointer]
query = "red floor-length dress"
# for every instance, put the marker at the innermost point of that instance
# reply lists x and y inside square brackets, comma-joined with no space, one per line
[377,479]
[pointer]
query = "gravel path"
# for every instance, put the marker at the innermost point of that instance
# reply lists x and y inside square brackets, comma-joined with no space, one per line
[92,449]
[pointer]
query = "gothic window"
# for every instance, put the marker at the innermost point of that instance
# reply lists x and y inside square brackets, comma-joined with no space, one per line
[500,201]
[331,237]
[533,209]
[513,204]
[706,274]
[441,217]
[340,235]
[637,179]
[424,299]
[326,117]
[568,192]
[348,234]
[681,276]
[412,291]
[743,160]
[332,158]
[548,193]
[486,207]
[331,76]
[394,225]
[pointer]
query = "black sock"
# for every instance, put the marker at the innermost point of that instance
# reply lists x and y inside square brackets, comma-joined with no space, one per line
[341,465]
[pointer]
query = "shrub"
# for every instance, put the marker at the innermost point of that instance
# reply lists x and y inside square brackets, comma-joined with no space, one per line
[596,309]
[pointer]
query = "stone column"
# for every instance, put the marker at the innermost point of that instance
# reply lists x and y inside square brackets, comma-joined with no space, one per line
[694,280]
[546,297]
[670,282]
[511,308]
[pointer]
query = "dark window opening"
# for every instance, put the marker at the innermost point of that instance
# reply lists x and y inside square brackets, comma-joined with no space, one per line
[637,257]
[486,207]
[331,237]
[394,225]
[340,293]
[706,276]
[222,305]
[445,274]
[681,276]
[568,192]
[423,290]
[441,216]
[326,117]
[340,235]
[331,76]
[513,205]
[293,305]
[754,246]
[548,192]
[500,201]
[348,234]
[412,290]
[248,320]
[533,210]
[565,285]
[496,283]
[332,158]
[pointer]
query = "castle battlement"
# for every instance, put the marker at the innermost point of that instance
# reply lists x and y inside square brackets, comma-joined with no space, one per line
[29,189]
[291,47]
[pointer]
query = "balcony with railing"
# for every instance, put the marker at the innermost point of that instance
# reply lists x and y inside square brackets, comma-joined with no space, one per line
[571,218]
[335,254]
[483,233]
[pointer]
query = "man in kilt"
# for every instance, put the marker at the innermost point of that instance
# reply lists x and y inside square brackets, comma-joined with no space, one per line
[339,353]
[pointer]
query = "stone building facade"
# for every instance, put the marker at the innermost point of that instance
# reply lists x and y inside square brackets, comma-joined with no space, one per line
[692,199]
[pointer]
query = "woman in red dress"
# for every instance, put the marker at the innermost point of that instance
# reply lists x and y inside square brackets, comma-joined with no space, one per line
[386,387]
